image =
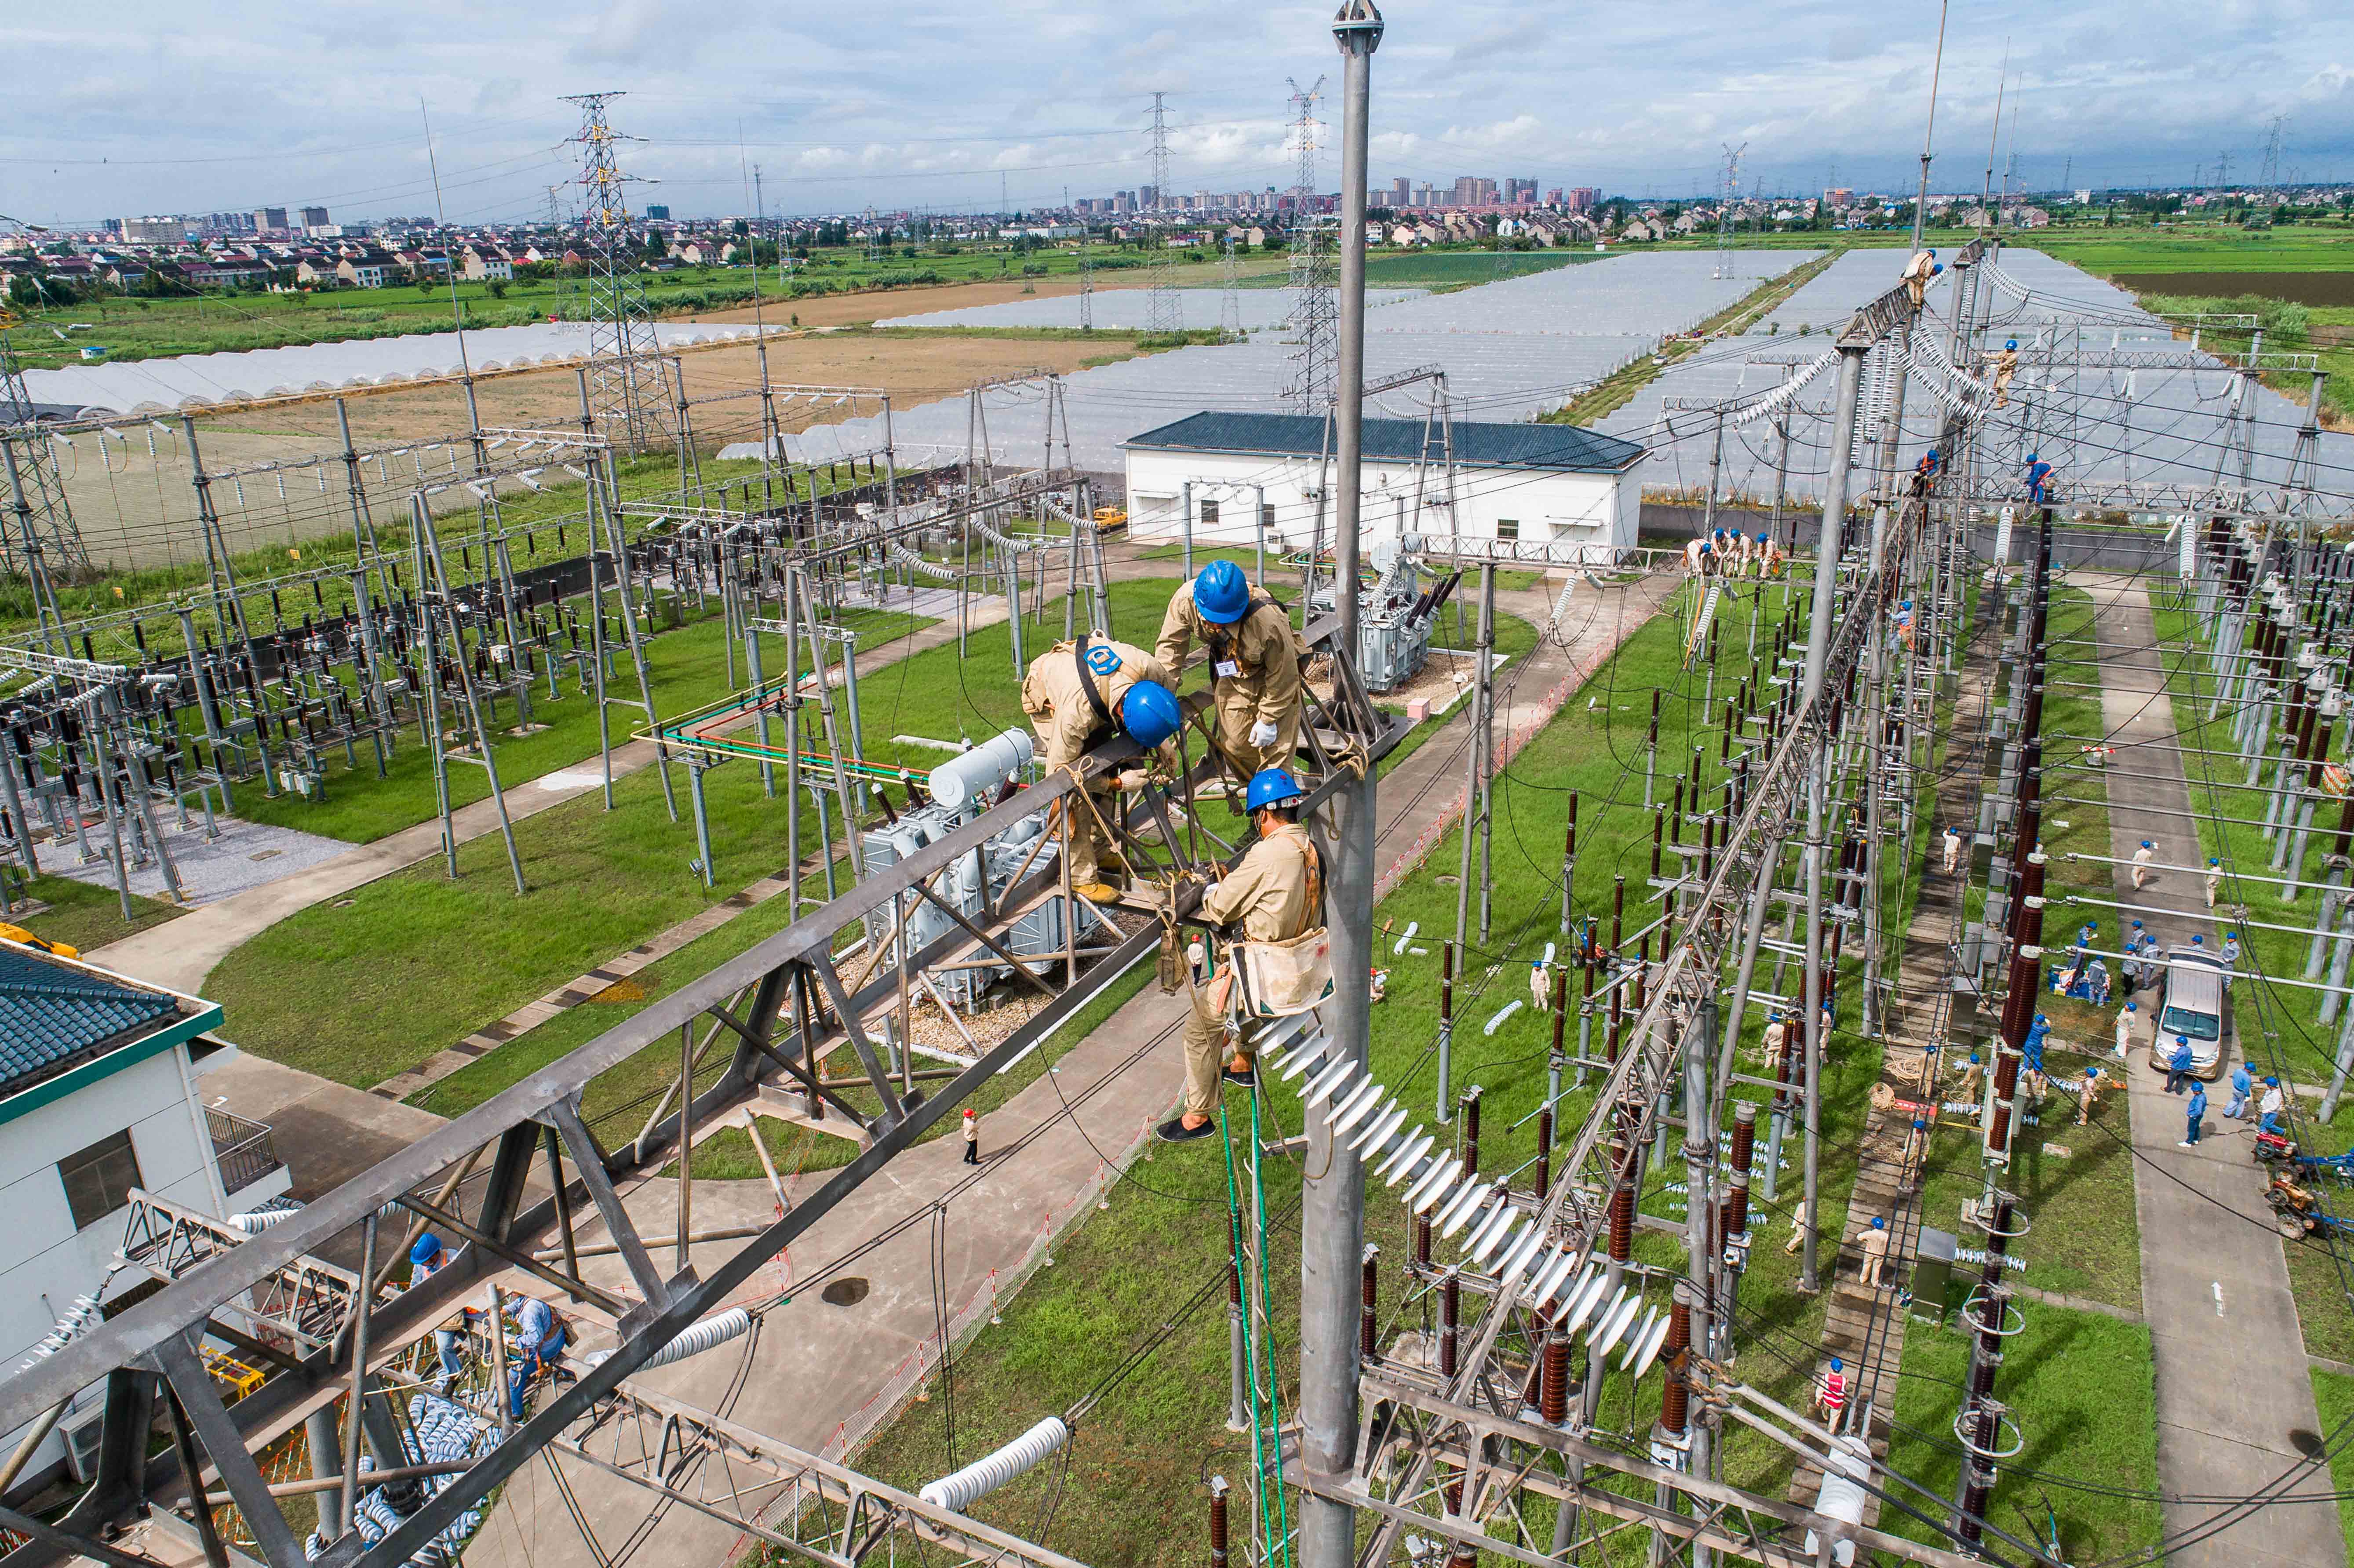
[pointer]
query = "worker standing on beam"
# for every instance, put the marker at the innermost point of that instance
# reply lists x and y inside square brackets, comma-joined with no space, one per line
[1078,696]
[1924,266]
[1275,893]
[1255,662]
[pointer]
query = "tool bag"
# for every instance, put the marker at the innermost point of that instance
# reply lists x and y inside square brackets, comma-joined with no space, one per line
[1277,980]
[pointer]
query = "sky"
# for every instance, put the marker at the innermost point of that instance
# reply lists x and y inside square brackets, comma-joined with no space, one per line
[155,106]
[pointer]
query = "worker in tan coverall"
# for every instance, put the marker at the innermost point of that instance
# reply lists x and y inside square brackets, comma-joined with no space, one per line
[1275,894]
[2004,362]
[1255,665]
[1079,695]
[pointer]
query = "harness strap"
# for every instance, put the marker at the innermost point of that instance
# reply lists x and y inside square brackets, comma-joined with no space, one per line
[1087,685]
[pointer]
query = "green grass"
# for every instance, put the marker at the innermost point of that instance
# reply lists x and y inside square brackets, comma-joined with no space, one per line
[2200,247]
[2080,1387]
[84,915]
[430,960]
[2333,1392]
[1119,1282]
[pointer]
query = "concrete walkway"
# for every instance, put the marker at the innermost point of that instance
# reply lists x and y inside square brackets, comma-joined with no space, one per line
[820,1375]
[2231,1370]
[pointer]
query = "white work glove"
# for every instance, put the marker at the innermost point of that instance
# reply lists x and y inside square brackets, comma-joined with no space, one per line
[1133,781]
[1263,733]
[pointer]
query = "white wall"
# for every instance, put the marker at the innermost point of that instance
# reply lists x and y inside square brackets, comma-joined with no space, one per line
[45,1262]
[1598,509]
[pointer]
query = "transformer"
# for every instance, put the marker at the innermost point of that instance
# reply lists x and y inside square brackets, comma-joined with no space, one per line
[962,790]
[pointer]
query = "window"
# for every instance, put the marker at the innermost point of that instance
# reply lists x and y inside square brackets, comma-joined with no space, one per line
[99,1179]
[1508,527]
[1267,515]
[1209,513]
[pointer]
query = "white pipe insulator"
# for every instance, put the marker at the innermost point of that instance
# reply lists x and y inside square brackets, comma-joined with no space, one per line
[692,1341]
[990,1472]
[1496,1022]
[1842,1496]
[958,782]
[253,1222]
[1548,958]
[1411,927]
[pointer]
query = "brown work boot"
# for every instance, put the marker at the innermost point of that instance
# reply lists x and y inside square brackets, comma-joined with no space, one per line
[1098,892]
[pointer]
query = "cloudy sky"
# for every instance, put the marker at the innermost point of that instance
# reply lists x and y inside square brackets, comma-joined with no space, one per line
[164,105]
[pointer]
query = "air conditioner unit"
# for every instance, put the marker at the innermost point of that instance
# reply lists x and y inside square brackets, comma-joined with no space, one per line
[82,1443]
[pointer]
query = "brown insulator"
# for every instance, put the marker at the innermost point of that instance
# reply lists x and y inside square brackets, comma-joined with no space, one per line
[1446,981]
[1675,1395]
[1622,1223]
[1553,1390]
[1450,1302]
[1544,1153]
[1422,1240]
[1469,1105]
[1368,1283]
[1217,1521]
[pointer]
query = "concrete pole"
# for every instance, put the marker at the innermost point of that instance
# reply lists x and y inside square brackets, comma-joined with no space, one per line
[1332,1207]
[1827,555]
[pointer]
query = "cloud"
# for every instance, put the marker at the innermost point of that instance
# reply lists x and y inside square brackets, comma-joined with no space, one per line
[900,103]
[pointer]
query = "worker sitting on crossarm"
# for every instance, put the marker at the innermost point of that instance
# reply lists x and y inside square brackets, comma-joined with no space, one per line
[1275,893]
[1255,662]
[1079,695]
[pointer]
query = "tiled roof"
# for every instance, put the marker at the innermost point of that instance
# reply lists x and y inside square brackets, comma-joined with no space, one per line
[1568,447]
[53,1014]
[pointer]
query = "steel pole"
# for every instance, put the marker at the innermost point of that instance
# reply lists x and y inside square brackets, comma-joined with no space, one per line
[1332,1208]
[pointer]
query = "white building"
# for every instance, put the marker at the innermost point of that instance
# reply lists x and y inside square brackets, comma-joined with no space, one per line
[98,1094]
[1248,472]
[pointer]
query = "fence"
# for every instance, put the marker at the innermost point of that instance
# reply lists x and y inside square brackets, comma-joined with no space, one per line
[242,1148]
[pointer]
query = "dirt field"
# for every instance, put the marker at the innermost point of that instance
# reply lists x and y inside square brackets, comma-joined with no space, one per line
[860,310]
[137,506]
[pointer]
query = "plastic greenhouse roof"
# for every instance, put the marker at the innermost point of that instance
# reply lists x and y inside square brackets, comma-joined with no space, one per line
[1126,308]
[197,380]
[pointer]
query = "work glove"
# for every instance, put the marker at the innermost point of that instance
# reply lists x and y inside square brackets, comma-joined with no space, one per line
[1263,733]
[1133,781]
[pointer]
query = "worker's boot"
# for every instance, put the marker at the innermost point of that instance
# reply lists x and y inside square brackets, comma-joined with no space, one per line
[1097,892]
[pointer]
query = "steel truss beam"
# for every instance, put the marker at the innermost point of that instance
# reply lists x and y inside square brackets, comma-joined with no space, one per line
[811,1508]
[211,1272]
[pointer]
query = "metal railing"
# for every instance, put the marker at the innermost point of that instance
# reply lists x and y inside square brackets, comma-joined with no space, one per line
[242,1148]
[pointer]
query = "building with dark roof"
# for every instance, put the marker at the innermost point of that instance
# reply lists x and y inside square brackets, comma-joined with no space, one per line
[100,1096]
[1235,477]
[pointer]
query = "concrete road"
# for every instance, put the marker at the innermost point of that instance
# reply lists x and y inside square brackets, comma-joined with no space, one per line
[2233,1391]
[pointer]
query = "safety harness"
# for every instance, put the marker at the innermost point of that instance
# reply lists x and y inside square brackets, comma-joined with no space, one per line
[1087,685]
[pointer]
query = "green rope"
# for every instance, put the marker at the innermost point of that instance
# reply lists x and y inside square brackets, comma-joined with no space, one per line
[1267,1416]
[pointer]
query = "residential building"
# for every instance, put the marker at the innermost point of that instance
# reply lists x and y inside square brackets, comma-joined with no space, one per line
[1539,483]
[658,212]
[1584,198]
[155,231]
[1838,198]
[270,219]
[98,1098]
[1401,192]
[314,218]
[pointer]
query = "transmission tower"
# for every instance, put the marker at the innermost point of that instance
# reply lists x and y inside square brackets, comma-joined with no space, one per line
[625,371]
[2271,177]
[1315,268]
[1168,311]
[873,238]
[1230,304]
[38,538]
[1728,191]
[1087,278]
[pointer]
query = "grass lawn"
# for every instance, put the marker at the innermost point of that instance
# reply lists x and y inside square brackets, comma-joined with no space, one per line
[2333,1394]
[1120,1285]
[85,915]
[2079,1386]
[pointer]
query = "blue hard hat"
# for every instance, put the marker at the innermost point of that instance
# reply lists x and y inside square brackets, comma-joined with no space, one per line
[427,1248]
[1222,593]
[1272,787]
[2272,1083]
[1148,712]
[1933,455]
[2032,457]
[2011,342]
[1878,1223]
[1940,266]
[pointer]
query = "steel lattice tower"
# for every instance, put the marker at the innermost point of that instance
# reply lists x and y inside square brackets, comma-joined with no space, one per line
[1168,312]
[37,524]
[1230,306]
[1728,191]
[627,388]
[1315,272]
